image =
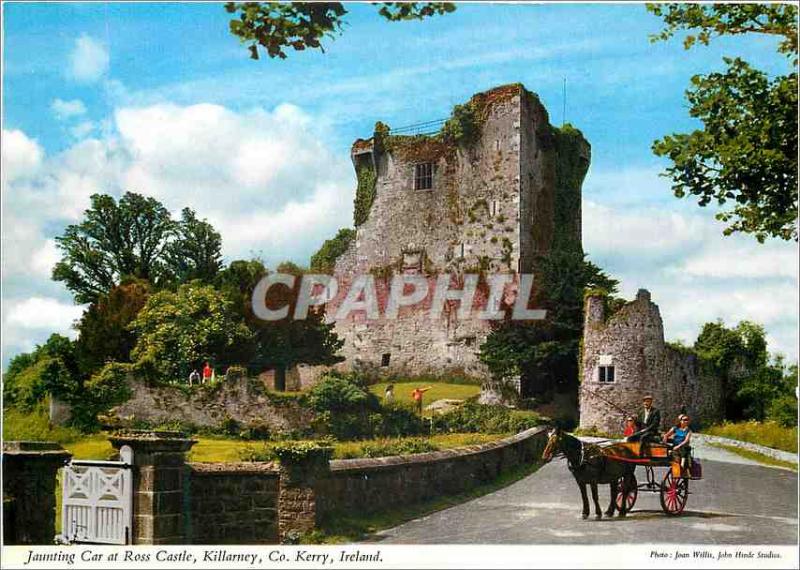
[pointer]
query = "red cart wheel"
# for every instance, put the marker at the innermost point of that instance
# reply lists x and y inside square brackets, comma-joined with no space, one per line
[674,493]
[633,492]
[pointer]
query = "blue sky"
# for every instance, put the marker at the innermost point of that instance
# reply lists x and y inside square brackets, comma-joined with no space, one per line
[161,99]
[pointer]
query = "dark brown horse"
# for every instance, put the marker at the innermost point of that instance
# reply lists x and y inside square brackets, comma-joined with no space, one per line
[589,464]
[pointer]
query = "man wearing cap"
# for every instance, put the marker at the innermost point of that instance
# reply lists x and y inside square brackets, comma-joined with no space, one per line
[649,422]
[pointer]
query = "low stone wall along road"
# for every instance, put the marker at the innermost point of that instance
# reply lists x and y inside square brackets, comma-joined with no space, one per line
[735,503]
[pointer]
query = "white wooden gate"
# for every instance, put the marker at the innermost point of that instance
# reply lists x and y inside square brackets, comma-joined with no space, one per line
[97,500]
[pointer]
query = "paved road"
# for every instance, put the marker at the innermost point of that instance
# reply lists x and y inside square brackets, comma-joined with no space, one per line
[736,503]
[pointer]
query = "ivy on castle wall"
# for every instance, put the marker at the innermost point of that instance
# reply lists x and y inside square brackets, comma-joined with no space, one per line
[365,192]
[571,168]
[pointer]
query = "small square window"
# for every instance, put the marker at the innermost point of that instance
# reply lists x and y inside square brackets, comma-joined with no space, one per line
[423,176]
[385,359]
[606,374]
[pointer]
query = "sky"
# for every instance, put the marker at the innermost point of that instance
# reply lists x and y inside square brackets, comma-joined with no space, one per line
[161,100]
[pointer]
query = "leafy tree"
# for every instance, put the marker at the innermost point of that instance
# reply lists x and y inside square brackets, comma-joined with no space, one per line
[115,240]
[103,329]
[197,251]
[180,330]
[545,353]
[746,154]
[753,382]
[277,26]
[50,369]
[284,343]
[324,259]
[135,237]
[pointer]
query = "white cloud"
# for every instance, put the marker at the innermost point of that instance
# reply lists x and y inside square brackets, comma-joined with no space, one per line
[21,156]
[264,178]
[678,252]
[43,313]
[67,109]
[88,60]
[82,129]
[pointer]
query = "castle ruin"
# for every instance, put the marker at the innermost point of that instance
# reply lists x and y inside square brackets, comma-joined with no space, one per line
[495,188]
[625,357]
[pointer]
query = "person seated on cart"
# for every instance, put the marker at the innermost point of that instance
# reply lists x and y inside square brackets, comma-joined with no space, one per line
[648,422]
[680,437]
[630,427]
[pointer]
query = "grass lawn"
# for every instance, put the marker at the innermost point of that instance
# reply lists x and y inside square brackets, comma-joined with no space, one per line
[769,434]
[755,456]
[438,391]
[217,450]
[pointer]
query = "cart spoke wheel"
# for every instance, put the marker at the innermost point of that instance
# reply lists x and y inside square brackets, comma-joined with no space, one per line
[633,492]
[674,494]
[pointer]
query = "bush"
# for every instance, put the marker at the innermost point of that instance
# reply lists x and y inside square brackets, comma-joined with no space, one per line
[34,425]
[337,392]
[783,410]
[398,420]
[387,448]
[235,372]
[472,417]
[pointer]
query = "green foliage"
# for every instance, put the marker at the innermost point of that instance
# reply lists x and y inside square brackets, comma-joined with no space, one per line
[347,409]
[571,168]
[103,328]
[390,447]
[293,452]
[746,153]
[197,251]
[135,237]
[50,369]
[365,193]
[463,128]
[277,26]
[740,357]
[324,259]
[783,410]
[545,353]
[34,425]
[337,392]
[276,344]
[769,434]
[472,417]
[709,20]
[178,331]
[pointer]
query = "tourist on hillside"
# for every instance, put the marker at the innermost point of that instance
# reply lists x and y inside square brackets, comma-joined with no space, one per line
[417,397]
[388,395]
[208,374]
[194,377]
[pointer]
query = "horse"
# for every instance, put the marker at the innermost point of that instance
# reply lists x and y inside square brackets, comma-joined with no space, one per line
[590,466]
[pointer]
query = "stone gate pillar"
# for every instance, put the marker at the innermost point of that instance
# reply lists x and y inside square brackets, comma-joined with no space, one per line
[299,497]
[159,461]
[29,490]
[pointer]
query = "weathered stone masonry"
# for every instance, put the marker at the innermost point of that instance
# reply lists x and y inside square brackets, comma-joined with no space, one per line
[632,342]
[494,205]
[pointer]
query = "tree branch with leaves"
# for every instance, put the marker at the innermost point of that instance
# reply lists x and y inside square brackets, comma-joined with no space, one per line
[744,159]
[278,26]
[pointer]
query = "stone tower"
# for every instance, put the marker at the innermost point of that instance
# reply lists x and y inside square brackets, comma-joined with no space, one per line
[496,187]
[625,357]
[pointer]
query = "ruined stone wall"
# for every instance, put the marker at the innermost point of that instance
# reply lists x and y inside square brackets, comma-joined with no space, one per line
[632,340]
[245,400]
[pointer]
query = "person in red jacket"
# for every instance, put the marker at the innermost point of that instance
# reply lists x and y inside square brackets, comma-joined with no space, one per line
[207,373]
[630,426]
